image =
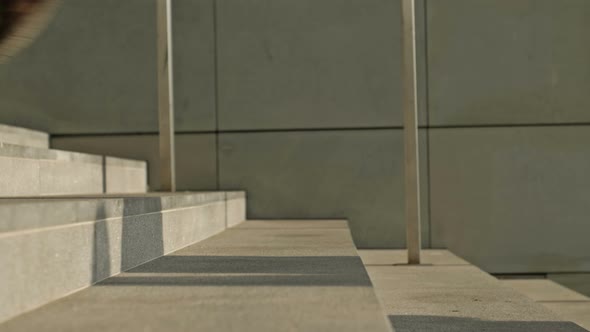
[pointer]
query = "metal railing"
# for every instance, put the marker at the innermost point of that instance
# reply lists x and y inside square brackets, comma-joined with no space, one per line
[410,109]
[166,97]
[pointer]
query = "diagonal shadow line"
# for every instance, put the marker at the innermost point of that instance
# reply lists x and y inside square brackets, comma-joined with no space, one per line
[324,280]
[253,264]
[246,271]
[411,323]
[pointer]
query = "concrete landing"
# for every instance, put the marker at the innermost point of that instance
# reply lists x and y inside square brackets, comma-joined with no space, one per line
[258,276]
[568,304]
[449,294]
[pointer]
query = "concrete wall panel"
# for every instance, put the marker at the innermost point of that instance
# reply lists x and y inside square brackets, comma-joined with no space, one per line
[512,199]
[355,175]
[94,70]
[194,65]
[508,62]
[309,64]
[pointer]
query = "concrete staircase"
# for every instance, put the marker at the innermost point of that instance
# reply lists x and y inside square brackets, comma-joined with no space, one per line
[69,220]
[52,247]
[257,276]
[24,137]
[30,168]
[88,249]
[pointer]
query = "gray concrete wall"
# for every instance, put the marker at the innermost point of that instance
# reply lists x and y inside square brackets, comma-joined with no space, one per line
[508,99]
[324,174]
[512,199]
[508,62]
[298,103]
[93,70]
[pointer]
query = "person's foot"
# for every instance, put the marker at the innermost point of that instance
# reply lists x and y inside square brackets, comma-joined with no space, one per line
[20,22]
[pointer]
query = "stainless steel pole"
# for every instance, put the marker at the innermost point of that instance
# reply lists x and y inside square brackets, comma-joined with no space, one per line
[410,108]
[166,97]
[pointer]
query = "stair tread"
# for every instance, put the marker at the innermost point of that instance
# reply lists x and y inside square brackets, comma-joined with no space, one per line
[31,171]
[23,136]
[28,213]
[253,277]
[10,150]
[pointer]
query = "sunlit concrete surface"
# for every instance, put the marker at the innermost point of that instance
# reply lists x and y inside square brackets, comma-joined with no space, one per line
[32,171]
[24,137]
[568,304]
[51,247]
[448,294]
[258,276]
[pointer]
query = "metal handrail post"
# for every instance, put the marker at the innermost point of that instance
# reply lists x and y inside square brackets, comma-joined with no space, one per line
[166,97]
[410,109]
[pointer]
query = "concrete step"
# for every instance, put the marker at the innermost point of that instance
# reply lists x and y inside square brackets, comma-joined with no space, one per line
[30,171]
[51,247]
[24,137]
[447,293]
[258,276]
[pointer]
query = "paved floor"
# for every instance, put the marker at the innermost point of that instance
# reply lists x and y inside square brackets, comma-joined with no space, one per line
[565,302]
[259,276]
[449,294]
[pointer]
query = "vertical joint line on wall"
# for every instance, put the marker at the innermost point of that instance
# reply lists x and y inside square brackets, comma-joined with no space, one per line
[216,93]
[428,190]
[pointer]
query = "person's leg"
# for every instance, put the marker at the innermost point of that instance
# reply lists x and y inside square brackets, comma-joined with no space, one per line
[20,22]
